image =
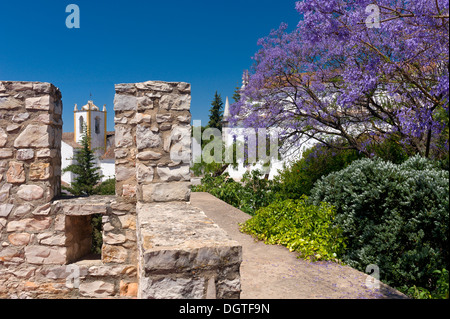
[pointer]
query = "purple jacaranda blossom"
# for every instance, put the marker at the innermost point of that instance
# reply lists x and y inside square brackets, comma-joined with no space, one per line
[337,76]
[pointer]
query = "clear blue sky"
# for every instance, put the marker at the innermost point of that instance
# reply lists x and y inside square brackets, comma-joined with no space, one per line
[207,43]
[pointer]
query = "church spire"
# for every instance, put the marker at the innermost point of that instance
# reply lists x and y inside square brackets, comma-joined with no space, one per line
[226,111]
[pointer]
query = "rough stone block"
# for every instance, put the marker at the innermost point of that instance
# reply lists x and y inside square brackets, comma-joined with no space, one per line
[5,209]
[97,289]
[144,173]
[175,102]
[123,173]
[128,289]
[39,136]
[21,86]
[114,254]
[6,153]
[123,137]
[29,224]
[4,192]
[125,103]
[3,137]
[166,192]
[40,171]
[25,154]
[45,255]
[21,117]
[9,103]
[30,192]
[15,173]
[177,173]
[172,288]
[19,239]
[145,138]
[154,86]
[149,155]
[44,103]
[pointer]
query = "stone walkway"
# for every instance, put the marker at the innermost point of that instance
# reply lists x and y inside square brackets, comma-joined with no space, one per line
[272,272]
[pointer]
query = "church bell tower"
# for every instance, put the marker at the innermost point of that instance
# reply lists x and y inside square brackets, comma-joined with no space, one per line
[95,120]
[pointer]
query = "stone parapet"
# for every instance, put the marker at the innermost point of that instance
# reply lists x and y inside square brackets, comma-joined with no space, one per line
[155,245]
[153,141]
[183,254]
[30,177]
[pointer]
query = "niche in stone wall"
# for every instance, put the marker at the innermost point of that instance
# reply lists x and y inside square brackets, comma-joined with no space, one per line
[83,237]
[84,226]
[78,237]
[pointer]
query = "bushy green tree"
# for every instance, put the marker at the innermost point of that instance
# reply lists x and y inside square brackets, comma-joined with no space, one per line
[394,216]
[298,179]
[87,174]
[216,112]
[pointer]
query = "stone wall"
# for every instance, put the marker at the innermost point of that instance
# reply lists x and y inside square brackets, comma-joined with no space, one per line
[30,170]
[182,254]
[45,241]
[152,121]
[155,245]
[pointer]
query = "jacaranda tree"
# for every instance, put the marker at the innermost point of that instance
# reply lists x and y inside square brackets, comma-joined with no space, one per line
[358,71]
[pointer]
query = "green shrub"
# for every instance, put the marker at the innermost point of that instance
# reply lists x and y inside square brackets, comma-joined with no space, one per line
[107,187]
[222,187]
[441,291]
[299,226]
[317,161]
[321,160]
[395,216]
[248,195]
[391,149]
[97,230]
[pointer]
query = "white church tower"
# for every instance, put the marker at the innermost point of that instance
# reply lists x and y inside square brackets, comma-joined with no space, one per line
[95,120]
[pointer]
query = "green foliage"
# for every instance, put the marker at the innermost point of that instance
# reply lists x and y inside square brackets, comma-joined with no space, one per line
[395,216]
[391,150]
[87,173]
[214,169]
[248,195]
[317,161]
[237,94]
[321,160]
[107,187]
[442,284]
[97,238]
[216,112]
[300,226]
[441,291]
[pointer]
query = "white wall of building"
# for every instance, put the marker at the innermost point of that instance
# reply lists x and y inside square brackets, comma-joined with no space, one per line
[66,160]
[108,169]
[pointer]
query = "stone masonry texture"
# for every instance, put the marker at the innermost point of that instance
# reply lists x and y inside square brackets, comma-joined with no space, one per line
[155,245]
[153,142]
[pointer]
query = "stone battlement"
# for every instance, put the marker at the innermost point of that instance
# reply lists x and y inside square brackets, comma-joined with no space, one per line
[155,245]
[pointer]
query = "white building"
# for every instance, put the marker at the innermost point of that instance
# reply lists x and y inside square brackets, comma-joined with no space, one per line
[102,141]
[232,134]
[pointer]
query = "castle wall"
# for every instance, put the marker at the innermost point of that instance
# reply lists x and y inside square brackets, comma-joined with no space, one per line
[154,242]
